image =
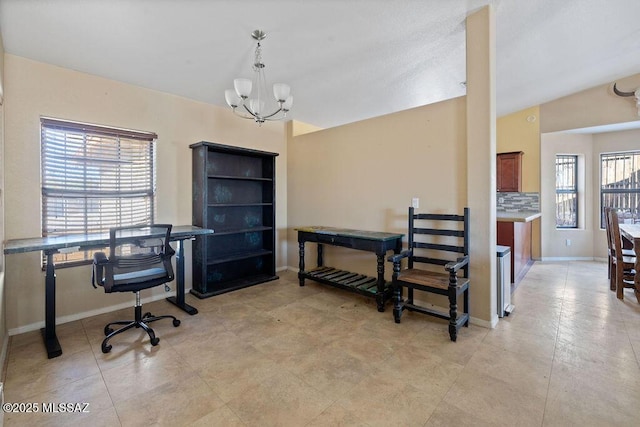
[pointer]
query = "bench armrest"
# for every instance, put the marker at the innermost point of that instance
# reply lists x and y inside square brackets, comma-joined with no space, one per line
[454,266]
[397,257]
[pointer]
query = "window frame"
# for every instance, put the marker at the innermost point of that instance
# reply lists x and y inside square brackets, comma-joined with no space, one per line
[103,155]
[612,191]
[566,190]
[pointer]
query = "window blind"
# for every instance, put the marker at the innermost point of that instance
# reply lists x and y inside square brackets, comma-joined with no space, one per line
[94,178]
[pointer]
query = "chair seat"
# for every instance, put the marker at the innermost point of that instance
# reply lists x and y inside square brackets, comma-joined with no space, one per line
[430,279]
[139,276]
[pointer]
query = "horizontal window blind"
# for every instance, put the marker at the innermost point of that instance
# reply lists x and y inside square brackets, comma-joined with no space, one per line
[94,178]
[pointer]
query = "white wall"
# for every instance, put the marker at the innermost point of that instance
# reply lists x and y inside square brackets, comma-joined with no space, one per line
[589,240]
[553,240]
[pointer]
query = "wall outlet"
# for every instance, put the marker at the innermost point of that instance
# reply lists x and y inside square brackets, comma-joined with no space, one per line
[568,242]
[415,203]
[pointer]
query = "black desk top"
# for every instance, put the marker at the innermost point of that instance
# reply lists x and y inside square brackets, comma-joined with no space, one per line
[346,232]
[16,246]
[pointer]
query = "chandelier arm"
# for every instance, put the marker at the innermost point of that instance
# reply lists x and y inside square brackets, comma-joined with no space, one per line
[273,114]
[253,115]
[241,115]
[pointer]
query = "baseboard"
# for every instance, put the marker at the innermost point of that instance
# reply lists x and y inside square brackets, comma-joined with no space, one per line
[83,315]
[555,259]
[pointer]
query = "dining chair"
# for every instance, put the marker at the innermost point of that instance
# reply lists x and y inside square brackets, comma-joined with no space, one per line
[622,271]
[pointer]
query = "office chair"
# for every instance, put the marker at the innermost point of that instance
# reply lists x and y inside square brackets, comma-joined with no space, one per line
[139,258]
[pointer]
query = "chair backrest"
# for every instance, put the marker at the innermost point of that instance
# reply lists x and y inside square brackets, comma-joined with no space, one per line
[616,240]
[438,238]
[607,226]
[139,257]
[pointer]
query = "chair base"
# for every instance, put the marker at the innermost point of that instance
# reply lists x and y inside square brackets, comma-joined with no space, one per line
[141,321]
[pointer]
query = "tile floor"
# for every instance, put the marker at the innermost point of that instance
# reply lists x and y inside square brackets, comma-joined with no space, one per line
[281,355]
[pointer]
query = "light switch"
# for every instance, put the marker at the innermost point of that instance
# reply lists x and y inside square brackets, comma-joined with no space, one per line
[415,203]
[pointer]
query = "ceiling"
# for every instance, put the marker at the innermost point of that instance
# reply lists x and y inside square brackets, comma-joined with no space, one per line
[346,60]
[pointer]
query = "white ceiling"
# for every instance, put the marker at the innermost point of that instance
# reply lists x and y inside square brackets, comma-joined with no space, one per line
[345,60]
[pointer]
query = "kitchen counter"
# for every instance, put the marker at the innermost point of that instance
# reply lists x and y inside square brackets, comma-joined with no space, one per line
[517,216]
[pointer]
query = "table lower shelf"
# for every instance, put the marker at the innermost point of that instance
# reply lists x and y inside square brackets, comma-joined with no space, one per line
[354,282]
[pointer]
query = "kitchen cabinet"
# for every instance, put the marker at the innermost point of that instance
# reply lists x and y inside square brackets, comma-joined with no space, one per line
[514,229]
[509,171]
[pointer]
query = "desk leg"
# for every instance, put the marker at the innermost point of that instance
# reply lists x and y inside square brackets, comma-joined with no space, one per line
[301,263]
[636,280]
[178,300]
[381,282]
[49,331]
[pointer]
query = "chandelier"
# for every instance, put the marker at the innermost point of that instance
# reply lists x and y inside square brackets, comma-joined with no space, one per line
[259,107]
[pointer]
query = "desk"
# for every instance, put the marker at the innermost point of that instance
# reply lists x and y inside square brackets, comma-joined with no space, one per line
[371,241]
[52,245]
[631,232]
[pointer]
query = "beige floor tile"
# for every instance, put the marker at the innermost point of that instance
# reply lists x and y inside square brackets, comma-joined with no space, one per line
[336,416]
[382,399]
[24,381]
[522,343]
[176,403]
[495,401]
[281,354]
[282,400]
[519,371]
[447,415]
[578,399]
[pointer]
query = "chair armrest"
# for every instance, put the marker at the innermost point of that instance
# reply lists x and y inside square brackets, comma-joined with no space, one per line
[454,266]
[97,274]
[397,257]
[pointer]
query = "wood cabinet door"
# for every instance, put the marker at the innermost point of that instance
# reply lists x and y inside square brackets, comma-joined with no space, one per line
[509,172]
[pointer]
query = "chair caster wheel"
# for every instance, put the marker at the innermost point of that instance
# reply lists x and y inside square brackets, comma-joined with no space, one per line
[106,348]
[107,331]
[176,323]
[147,314]
[155,341]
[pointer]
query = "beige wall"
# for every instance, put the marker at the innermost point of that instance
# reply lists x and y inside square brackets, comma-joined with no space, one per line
[520,131]
[591,107]
[3,323]
[35,89]
[364,174]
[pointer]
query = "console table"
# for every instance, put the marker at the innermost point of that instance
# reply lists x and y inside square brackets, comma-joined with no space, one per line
[371,241]
[77,242]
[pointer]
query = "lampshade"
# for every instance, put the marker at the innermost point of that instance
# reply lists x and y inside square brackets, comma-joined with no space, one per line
[281,91]
[232,98]
[286,105]
[243,87]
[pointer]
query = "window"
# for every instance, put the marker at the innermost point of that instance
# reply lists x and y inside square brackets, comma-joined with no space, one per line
[620,185]
[566,191]
[94,178]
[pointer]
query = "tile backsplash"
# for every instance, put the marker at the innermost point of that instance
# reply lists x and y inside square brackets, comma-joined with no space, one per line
[518,202]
